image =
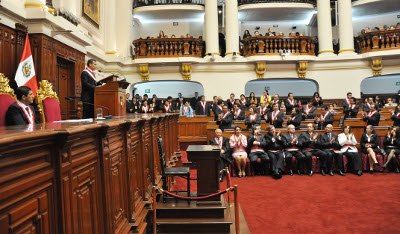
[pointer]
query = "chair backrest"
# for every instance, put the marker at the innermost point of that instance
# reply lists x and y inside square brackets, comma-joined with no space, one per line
[7,97]
[162,154]
[48,103]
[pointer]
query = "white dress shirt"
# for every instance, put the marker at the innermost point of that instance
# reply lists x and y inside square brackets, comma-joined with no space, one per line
[342,138]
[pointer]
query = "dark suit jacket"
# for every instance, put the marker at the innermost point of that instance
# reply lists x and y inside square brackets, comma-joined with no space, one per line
[241,116]
[266,111]
[149,110]
[328,120]
[366,108]
[217,111]
[278,119]
[225,123]
[311,114]
[251,138]
[16,116]
[373,120]
[129,106]
[315,103]
[200,110]
[306,142]
[287,140]
[388,141]
[344,104]
[396,119]
[225,146]
[270,144]
[289,106]
[194,101]
[351,113]
[170,110]
[88,86]
[374,140]
[325,143]
[297,121]
[249,123]
[230,105]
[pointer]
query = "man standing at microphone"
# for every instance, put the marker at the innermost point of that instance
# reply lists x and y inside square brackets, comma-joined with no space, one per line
[89,83]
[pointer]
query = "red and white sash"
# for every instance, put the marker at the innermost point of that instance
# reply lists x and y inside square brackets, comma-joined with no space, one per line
[219,141]
[266,98]
[370,114]
[274,116]
[185,109]
[227,113]
[324,117]
[291,101]
[308,110]
[294,117]
[238,112]
[28,114]
[145,109]
[90,73]
[232,102]
[243,102]
[166,108]
[238,142]
[219,107]
[317,99]
[369,105]
[262,111]
[203,105]
[398,113]
[252,117]
[353,106]
[348,101]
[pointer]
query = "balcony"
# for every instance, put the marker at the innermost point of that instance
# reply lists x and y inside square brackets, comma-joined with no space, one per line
[168,47]
[242,2]
[262,45]
[141,3]
[379,41]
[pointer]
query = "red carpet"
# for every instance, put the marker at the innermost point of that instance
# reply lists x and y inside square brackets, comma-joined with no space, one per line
[303,204]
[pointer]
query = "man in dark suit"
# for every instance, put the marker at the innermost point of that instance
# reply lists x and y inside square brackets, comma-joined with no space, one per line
[256,144]
[290,103]
[238,112]
[224,120]
[270,32]
[21,112]
[89,83]
[263,110]
[218,109]
[330,145]
[292,148]
[309,144]
[351,111]
[346,102]
[324,119]
[179,100]
[309,111]
[231,101]
[372,117]
[275,117]
[129,103]
[367,106]
[273,144]
[223,143]
[203,107]
[194,100]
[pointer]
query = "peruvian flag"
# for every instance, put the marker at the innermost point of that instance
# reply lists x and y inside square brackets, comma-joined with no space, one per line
[26,75]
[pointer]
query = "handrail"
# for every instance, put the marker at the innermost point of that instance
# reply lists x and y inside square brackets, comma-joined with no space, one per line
[168,47]
[140,3]
[378,41]
[275,45]
[243,2]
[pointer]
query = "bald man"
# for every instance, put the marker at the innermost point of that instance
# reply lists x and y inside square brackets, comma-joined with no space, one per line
[292,148]
[330,145]
[223,143]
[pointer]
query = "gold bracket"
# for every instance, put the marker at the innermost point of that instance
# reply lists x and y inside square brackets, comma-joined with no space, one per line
[377,66]
[144,72]
[186,70]
[302,69]
[261,68]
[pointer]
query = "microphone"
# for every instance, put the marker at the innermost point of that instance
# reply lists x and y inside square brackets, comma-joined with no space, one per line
[73,98]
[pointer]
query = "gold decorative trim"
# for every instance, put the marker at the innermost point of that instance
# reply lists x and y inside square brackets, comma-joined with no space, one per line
[213,53]
[238,70]
[5,87]
[112,52]
[144,72]
[325,51]
[302,69]
[261,68]
[377,66]
[34,4]
[186,71]
[232,53]
[45,91]
[345,50]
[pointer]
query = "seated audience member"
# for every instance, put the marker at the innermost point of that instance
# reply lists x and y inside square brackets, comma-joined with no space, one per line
[379,102]
[252,118]
[391,144]
[332,109]
[309,142]
[372,117]
[225,119]
[275,100]
[246,34]
[275,117]
[146,108]
[256,33]
[324,119]
[347,102]
[367,105]
[238,113]
[253,100]
[203,107]
[369,145]
[265,98]
[396,116]
[256,144]
[351,111]
[225,155]
[348,142]
[270,32]
[154,104]
[21,112]
[273,144]
[295,118]
[263,110]
[173,36]
[290,103]
[330,144]
[367,30]
[292,34]
[281,34]
[309,110]
[218,109]
[317,100]
[390,103]
[231,101]
[282,107]
[243,103]
[186,110]
[167,108]
[238,143]
[300,104]
[161,34]
[292,148]
[135,106]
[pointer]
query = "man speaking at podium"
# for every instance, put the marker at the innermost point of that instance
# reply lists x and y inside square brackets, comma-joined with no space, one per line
[89,83]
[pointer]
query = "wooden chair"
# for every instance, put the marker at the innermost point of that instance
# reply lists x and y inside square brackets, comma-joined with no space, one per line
[171,171]
[48,103]
[7,97]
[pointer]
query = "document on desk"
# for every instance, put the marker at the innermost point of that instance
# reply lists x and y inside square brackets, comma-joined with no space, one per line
[74,120]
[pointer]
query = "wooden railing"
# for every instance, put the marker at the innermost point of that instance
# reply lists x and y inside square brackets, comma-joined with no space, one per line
[275,45]
[379,41]
[242,2]
[168,47]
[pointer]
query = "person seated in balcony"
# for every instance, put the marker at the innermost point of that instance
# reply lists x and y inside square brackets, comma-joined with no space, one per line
[372,117]
[398,26]
[186,109]
[281,34]
[275,117]
[297,34]
[238,143]
[256,33]
[351,110]
[161,34]
[390,103]
[203,107]
[188,36]
[376,29]
[295,118]
[392,27]
[275,101]
[173,36]
[348,142]
[367,30]
[301,34]
[317,100]
[246,34]
[309,110]
[270,33]
[292,34]
[326,118]
[238,113]
[252,118]
[391,144]
[290,103]
[369,145]
[382,28]
[395,116]
[166,36]
[256,144]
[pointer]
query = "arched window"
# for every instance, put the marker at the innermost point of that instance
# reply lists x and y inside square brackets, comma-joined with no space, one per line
[165,88]
[386,84]
[282,86]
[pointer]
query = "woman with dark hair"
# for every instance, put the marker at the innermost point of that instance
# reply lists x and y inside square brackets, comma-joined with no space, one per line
[161,34]
[391,144]
[316,100]
[238,144]
[396,116]
[154,104]
[266,98]
[252,99]
[295,118]
[246,34]
[369,145]
[252,118]
[348,142]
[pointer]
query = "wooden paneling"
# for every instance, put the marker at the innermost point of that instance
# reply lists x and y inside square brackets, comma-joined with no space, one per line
[193,129]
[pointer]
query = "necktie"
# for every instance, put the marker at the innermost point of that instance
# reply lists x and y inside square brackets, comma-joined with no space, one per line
[330,137]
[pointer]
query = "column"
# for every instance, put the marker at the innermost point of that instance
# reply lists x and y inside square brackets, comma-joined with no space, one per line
[324,28]
[346,38]
[211,26]
[110,23]
[231,27]
[124,27]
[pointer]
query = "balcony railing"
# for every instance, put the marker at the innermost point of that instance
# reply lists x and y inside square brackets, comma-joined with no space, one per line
[379,41]
[168,47]
[139,3]
[242,2]
[275,45]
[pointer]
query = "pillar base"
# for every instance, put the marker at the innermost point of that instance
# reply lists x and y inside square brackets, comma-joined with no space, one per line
[326,53]
[347,52]
[230,55]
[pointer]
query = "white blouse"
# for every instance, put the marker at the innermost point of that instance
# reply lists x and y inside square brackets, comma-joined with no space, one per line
[344,141]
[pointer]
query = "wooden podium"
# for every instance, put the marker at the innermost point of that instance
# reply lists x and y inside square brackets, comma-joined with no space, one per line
[111,95]
[205,159]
